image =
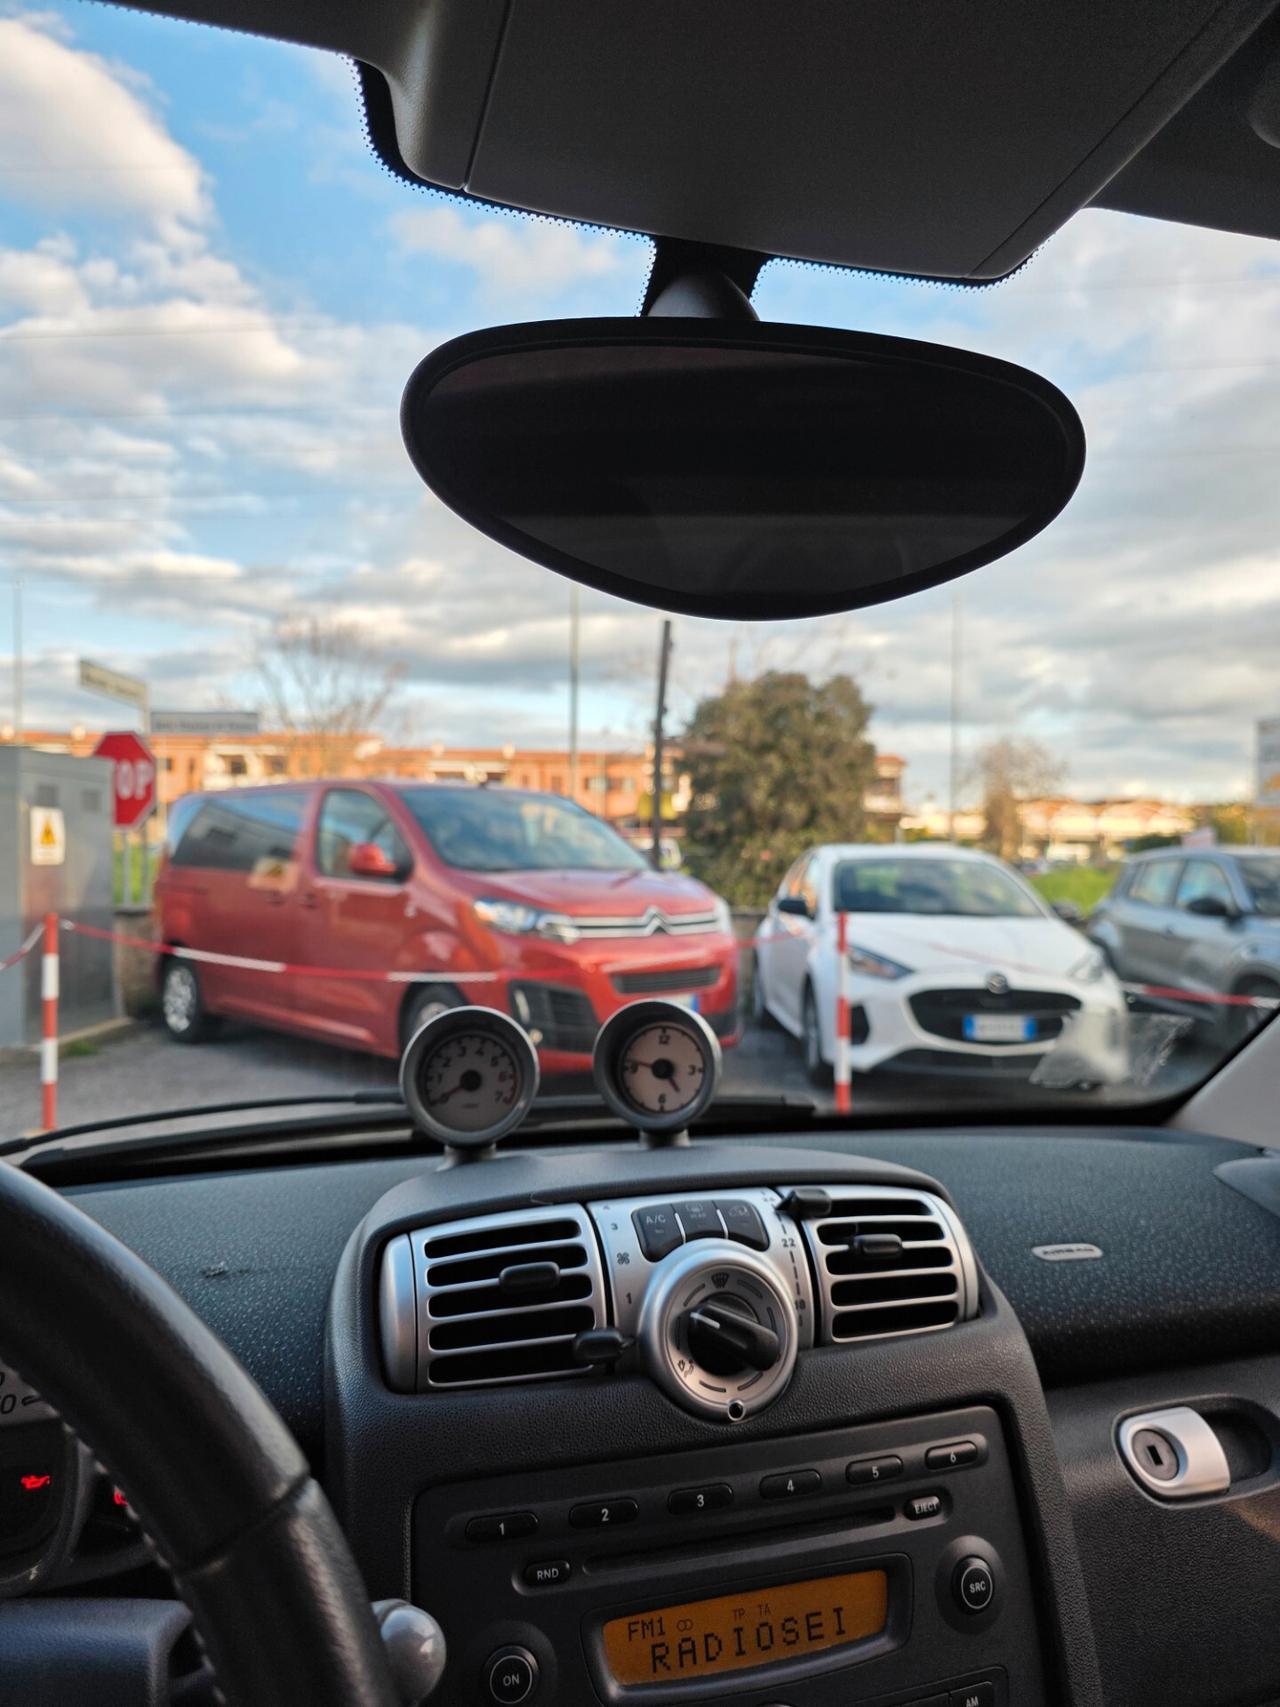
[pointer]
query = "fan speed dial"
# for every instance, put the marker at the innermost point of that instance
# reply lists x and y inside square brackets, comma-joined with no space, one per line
[717,1332]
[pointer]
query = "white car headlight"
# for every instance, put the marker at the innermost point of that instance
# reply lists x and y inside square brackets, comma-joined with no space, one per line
[724,916]
[514,918]
[1090,968]
[871,965]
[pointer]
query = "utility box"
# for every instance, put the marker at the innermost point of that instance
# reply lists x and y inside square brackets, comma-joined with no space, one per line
[56,856]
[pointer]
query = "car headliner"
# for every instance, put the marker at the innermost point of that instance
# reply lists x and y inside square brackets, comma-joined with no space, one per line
[922,139]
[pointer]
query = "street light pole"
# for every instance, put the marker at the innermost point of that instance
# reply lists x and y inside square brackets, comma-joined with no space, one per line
[575,614]
[953,786]
[659,732]
[17,658]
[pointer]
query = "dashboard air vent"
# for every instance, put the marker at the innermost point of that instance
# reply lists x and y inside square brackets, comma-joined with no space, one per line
[889,1261]
[503,1297]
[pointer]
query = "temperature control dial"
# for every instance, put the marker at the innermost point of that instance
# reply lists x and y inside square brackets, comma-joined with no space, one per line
[717,1332]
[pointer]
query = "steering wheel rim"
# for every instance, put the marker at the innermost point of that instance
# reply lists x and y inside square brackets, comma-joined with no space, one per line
[218,1482]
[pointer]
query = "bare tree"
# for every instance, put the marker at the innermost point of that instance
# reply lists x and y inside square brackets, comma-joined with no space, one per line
[1011,771]
[324,686]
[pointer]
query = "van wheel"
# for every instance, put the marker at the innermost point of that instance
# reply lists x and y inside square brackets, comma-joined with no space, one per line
[425,1004]
[819,1071]
[182,1005]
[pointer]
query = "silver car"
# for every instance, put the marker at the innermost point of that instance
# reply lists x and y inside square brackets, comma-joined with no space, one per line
[1190,926]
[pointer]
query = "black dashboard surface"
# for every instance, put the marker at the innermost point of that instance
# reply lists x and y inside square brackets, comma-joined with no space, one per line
[1187,1272]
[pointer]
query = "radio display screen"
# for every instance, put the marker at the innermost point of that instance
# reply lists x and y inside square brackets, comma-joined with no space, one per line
[706,1638]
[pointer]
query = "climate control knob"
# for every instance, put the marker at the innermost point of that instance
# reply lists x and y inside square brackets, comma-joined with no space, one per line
[717,1332]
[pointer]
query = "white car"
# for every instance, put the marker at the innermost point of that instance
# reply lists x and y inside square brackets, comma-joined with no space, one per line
[954,964]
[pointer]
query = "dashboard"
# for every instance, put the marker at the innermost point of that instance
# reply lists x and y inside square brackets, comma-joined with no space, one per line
[929,1508]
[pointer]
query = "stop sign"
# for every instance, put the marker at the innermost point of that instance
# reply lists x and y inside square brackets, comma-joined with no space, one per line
[135,776]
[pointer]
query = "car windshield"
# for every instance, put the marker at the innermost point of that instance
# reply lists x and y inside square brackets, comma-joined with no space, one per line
[961,888]
[489,831]
[293,759]
[1262,880]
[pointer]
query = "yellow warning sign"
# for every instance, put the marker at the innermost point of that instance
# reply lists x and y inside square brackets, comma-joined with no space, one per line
[48,836]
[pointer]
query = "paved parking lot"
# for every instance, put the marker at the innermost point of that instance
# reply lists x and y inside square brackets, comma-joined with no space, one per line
[141,1071]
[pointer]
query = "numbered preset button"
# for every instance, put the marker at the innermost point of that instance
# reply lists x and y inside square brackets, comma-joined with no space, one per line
[682,1502]
[603,1514]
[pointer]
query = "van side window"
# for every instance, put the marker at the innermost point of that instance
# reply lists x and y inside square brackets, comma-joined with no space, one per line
[349,816]
[242,832]
[1154,882]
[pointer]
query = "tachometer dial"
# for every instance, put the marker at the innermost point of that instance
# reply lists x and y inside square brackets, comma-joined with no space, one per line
[657,1065]
[469,1076]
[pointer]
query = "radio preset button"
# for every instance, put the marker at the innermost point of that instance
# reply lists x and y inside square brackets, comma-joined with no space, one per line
[790,1485]
[511,1676]
[742,1222]
[502,1526]
[924,1505]
[684,1500]
[864,1472]
[603,1514]
[973,1585]
[952,1457]
[657,1230]
[546,1573]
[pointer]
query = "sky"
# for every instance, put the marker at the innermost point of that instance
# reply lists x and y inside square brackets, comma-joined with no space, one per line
[212,293]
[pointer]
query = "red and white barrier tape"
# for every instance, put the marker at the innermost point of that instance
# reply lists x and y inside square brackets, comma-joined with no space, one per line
[26,948]
[1211,998]
[245,963]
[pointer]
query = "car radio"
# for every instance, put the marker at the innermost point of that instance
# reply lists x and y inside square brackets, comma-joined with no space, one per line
[881,1564]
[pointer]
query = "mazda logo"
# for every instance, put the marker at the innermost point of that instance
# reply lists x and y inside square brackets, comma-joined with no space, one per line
[997,984]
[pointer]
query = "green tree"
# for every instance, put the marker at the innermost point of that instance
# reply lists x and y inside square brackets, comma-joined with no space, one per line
[776,764]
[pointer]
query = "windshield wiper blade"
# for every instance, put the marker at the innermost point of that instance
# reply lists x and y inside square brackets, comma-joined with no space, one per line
[29,1140]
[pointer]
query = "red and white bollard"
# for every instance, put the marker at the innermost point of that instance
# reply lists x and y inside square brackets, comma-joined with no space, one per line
[49,1036]
[842,1065]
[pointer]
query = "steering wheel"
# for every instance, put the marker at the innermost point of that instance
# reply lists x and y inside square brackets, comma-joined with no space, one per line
[217,1480]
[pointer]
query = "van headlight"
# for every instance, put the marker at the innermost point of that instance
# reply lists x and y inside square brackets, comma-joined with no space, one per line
[1090,968]
[869,965]
[724,916]
[515,918]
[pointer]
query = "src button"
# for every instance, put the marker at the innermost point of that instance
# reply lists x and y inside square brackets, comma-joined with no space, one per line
[973,1585]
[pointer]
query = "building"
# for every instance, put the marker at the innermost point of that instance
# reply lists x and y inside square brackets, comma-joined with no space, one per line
[615,784]
[1059,828]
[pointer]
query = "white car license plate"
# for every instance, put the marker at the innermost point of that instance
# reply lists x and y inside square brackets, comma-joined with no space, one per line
[999,1028]
[690,1002]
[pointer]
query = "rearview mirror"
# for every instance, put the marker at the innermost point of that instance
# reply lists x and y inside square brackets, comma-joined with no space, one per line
[795,906]
[1068,912]
[739,469]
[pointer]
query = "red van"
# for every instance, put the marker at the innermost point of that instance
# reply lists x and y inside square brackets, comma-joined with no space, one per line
[442,893]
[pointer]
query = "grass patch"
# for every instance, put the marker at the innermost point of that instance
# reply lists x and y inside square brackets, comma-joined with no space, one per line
[1083,884]
[78,1049]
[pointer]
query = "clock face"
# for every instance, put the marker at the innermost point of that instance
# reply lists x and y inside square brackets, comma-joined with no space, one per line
[662,1068]
[470,1082]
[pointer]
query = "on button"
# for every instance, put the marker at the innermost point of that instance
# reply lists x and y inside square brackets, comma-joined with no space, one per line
[511,1676]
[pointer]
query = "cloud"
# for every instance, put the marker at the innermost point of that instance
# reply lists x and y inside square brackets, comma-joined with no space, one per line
[75,135]
[511,255]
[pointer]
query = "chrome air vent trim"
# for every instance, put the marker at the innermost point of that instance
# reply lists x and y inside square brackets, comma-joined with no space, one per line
[485,1315]
[931,1285]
